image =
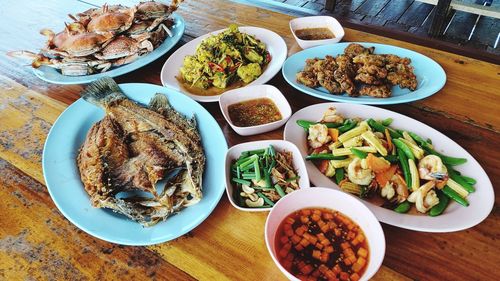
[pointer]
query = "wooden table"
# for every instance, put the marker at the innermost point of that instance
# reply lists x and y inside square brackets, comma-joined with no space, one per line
[37,242]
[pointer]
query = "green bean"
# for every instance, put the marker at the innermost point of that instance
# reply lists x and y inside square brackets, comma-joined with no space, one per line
[248,162]
[469,180]
[242,160]
[418,139]
[454,195]
[267,178]
[257,151]
[239,199]
[391,158]
[401,145]
[247,168]
[388,121]
[267,200]
[279,190]
[448,160]
[339,175]
[306,124]
[272,152]
[257,170]
[348,124]
[263,188]
[358,153]
[403,160]
[238,172]
[241,181]
[439,208]
[381,128]
[453,161]
[324,156]
[403,207]
[460,180]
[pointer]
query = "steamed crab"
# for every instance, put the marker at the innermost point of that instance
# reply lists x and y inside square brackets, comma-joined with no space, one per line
[100,38]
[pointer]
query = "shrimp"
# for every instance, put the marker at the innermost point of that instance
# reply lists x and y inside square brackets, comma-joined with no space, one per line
[431,167]
[318,135]
[424,197]
[359,173]
[395,185]
[331,115]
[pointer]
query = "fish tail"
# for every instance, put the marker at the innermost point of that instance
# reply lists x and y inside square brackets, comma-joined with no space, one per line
[102,92]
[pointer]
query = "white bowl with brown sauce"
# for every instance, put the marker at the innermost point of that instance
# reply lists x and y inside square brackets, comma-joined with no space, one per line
[254,110]
[316,30]
[325,200]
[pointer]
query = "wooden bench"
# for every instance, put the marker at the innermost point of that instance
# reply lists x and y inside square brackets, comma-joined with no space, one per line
[444,8]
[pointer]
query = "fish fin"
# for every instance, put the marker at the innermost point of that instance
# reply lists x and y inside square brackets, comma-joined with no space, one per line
[159,102]
[102,92]
[193,121]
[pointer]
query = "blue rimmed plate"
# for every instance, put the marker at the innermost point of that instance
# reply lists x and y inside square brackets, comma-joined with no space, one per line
[66,189]
[52,75]
[430,75]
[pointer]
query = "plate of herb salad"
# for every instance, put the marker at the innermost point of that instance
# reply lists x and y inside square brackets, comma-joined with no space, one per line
[407,173]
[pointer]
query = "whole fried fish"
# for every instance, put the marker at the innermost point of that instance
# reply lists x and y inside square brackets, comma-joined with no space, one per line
[134,147]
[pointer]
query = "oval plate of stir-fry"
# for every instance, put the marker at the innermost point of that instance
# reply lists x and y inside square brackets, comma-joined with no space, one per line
[409,174]
[225,59]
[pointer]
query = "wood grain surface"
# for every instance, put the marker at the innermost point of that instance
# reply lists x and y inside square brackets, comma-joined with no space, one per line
[37,242]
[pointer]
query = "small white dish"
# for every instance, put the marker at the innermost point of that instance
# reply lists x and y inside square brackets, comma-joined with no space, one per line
[320,197]
[279,145]
[250,93]
[317,22]
[275,45]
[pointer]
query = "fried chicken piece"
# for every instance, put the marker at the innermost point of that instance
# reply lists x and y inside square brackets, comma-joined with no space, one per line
[372,69]
[400,72]
[310,64]
[327,80]
[371,74]
[405,78]
[345,72]
[325,70]
[377,91]
[393,60]
[354,49]
[370,59]
[308,78]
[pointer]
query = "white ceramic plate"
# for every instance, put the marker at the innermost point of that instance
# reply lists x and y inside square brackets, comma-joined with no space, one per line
[454,218]
[275,45]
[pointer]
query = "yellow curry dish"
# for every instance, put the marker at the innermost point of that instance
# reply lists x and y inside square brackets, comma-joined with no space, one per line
[224,60]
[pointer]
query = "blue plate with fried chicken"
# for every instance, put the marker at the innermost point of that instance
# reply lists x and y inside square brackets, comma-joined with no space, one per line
[135,164]
[366,73]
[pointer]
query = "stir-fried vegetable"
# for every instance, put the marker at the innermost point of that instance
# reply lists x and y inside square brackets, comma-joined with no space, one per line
[369,158]
[225,58]
[261,177]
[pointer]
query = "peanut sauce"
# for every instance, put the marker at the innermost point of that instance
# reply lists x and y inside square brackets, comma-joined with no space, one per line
[319,33]
[254,112]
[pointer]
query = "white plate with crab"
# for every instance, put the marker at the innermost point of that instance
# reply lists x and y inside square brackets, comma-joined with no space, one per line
[275,45]
[55,76]
[454,218]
